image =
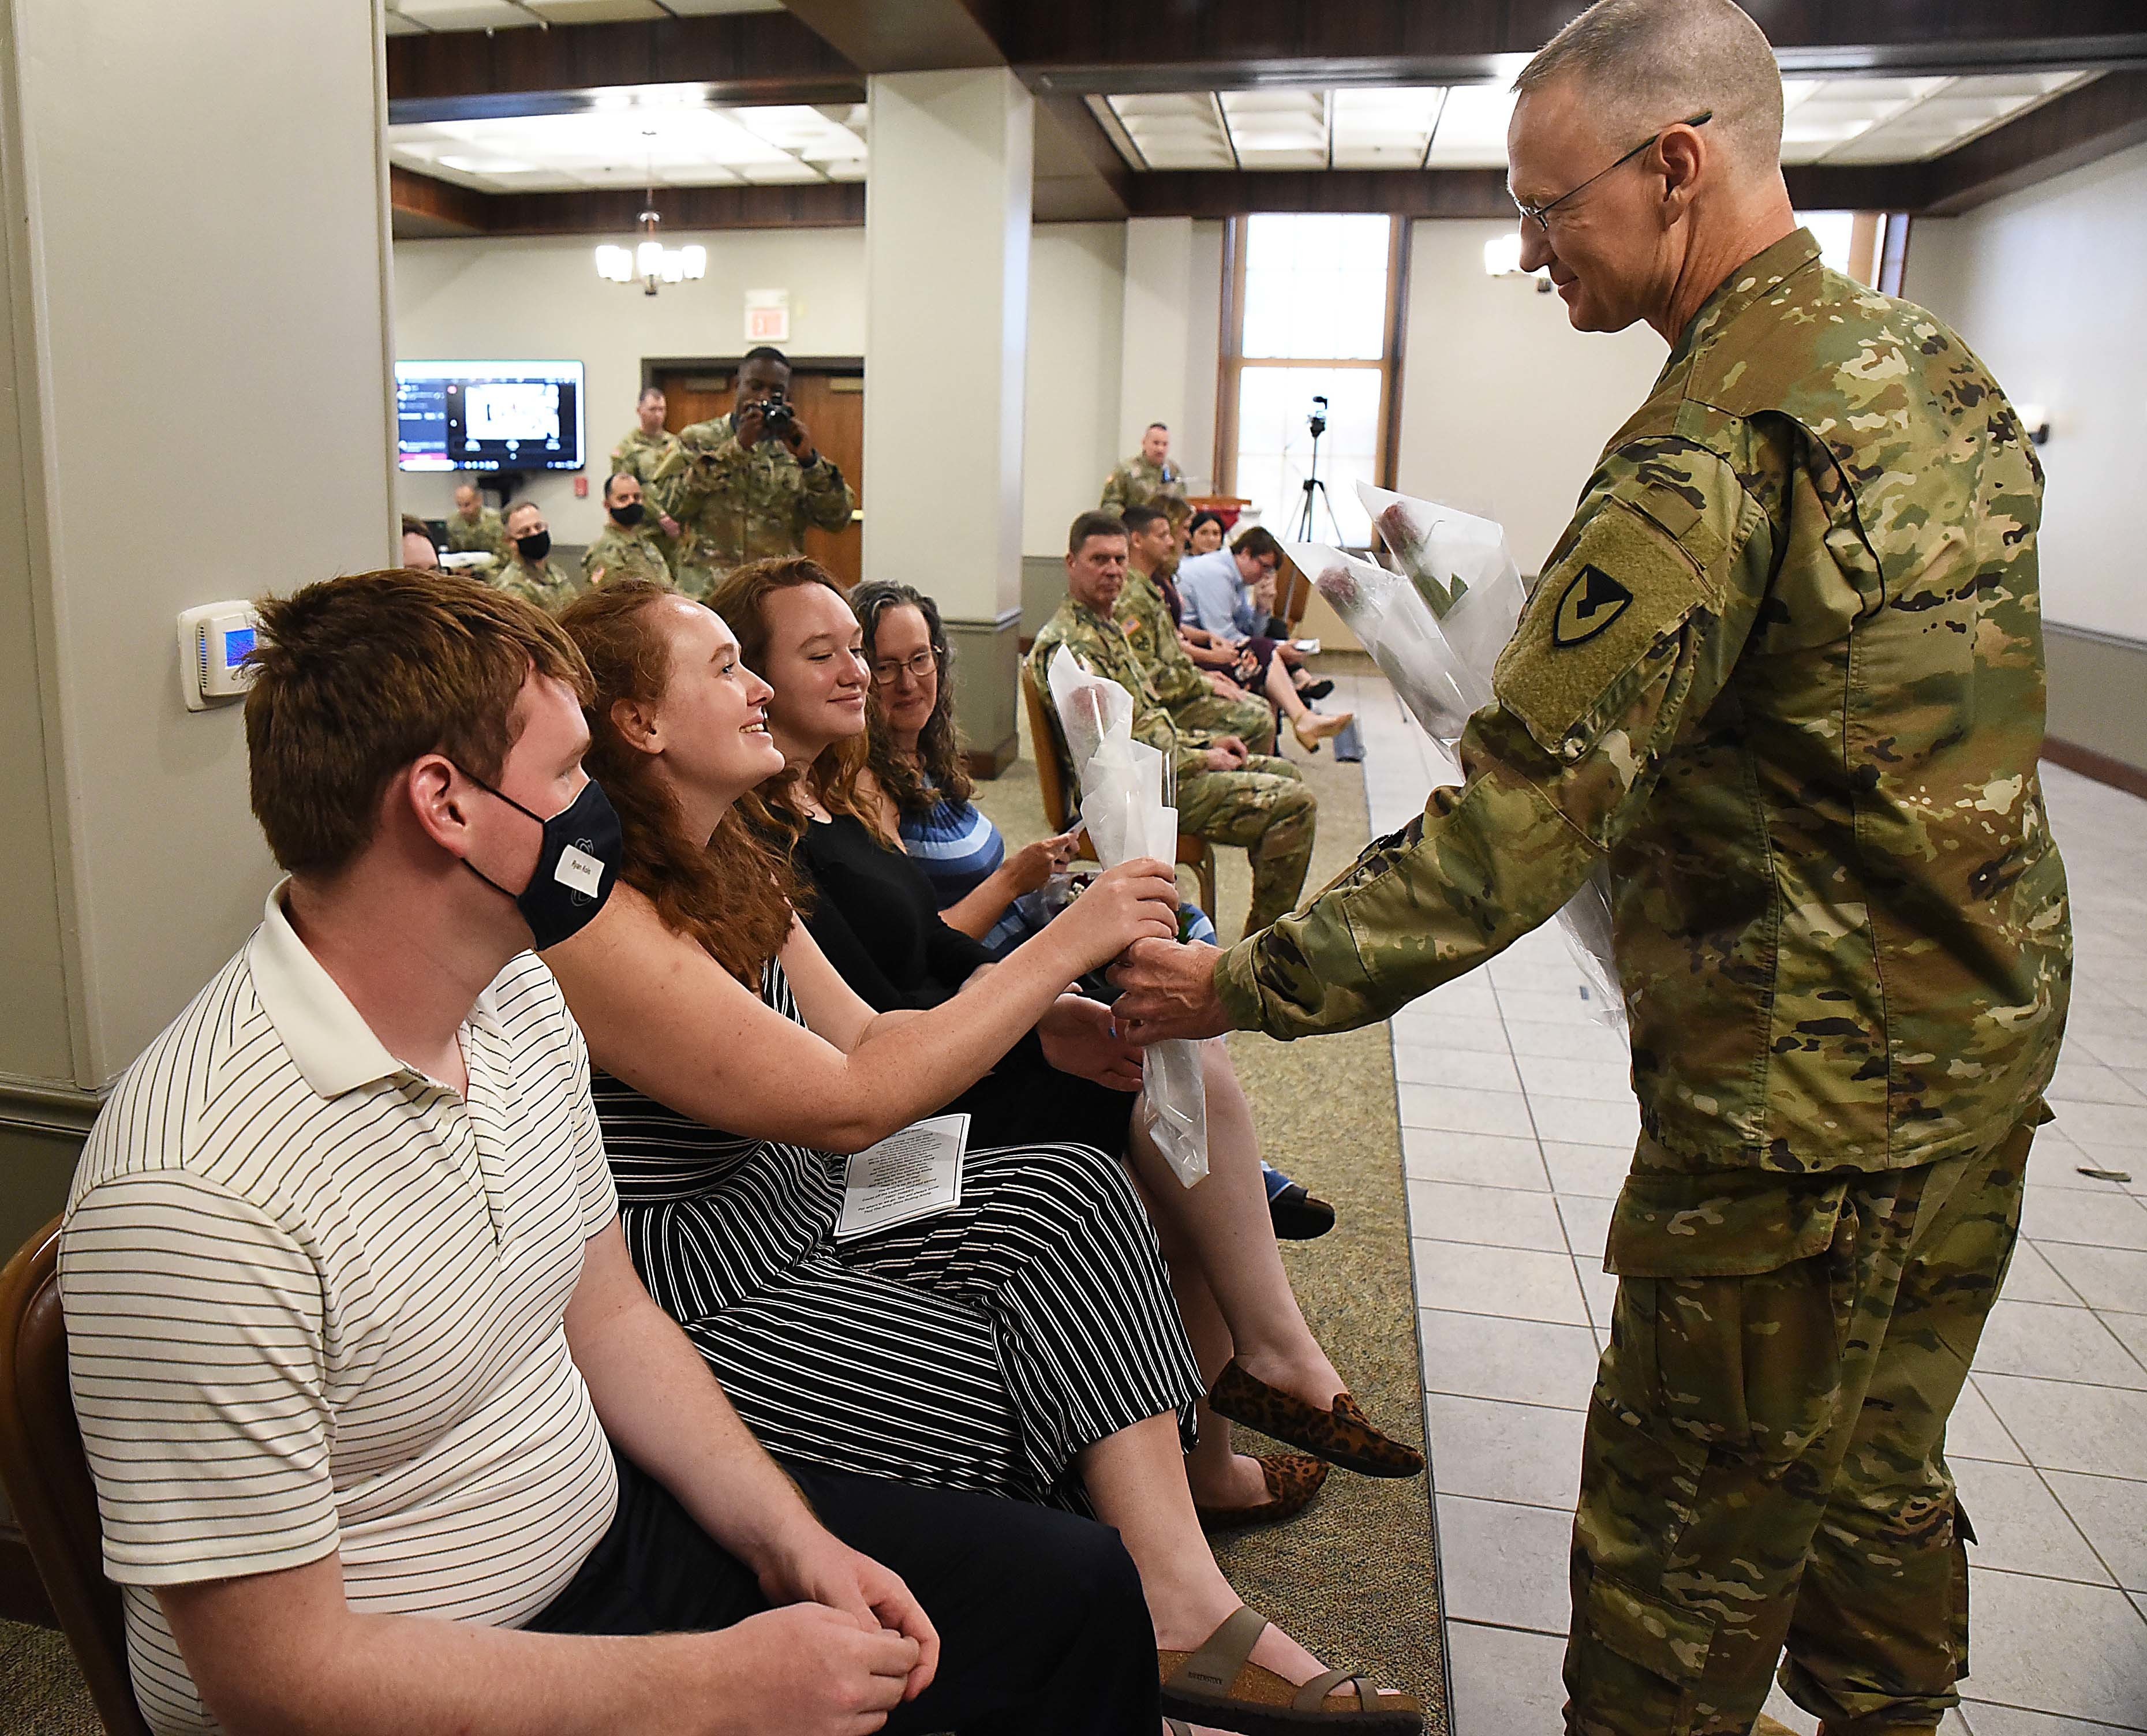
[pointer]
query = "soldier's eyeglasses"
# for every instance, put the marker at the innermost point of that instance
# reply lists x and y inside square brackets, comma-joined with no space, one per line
[924,663]
[1540,213]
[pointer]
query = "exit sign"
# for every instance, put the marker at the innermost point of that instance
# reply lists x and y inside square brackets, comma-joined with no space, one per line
[767,316]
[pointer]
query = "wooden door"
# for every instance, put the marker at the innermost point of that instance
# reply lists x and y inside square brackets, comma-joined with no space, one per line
[831,404]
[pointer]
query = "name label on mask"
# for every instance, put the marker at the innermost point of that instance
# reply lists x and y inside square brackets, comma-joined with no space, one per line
[580,871]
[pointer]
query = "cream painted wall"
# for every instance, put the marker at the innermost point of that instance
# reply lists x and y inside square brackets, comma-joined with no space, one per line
[254,333]
[1076,290]
[1504,407]
[1172,326]
[540,297]
[2046,286]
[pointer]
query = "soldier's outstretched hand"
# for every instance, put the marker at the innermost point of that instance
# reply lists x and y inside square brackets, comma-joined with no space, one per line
[1169,991]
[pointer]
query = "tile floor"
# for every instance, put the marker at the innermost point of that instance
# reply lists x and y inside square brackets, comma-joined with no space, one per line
[1517,1122]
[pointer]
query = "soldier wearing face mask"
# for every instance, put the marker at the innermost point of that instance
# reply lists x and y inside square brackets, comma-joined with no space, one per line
[631,545]
[528,571]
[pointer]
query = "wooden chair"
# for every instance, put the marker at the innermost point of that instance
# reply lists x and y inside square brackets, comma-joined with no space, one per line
[48,1479]
[1053,778]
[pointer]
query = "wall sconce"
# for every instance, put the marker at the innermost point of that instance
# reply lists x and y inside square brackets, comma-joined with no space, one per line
[2035,418]
[1502,258]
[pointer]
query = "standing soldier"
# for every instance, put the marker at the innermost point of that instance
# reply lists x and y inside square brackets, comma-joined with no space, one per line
[629,546]
[745,486]
[1146,475]
[1226,794]
[640,454]
[1199,702]
[1783,675]
[475,528]
[529,573]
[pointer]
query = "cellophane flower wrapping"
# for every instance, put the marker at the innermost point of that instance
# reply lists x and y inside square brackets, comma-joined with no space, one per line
[1126,816]
[1436,629]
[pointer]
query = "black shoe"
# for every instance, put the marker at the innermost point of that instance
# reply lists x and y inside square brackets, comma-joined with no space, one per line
[1312,690]
[1297,1216]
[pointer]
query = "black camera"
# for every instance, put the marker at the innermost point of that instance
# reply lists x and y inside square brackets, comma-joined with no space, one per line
[1317,421]
[776,418]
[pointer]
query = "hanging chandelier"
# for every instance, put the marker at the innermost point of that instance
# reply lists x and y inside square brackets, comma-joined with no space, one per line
[648,260]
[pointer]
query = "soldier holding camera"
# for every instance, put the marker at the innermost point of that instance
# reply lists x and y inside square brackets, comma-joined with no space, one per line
[747,484]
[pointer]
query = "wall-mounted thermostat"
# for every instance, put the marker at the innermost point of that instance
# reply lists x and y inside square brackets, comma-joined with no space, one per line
[214,643]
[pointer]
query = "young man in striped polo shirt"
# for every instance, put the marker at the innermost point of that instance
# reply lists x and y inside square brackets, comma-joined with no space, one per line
[383,1424]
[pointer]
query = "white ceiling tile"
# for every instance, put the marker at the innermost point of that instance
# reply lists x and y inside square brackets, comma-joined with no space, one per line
[853,171]
[1472,128]
[774,174]
[467,14]
[395,24]
[596,12]
[704,8]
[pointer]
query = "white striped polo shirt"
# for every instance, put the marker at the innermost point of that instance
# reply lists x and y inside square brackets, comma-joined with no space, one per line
[316,1301]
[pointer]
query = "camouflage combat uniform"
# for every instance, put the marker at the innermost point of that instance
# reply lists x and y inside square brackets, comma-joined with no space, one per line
[1194,707]
[1263,807]
[543,585]
[1139,483]
[737,505]
[486,536]
[1784,671]
[640,456]
[618,553]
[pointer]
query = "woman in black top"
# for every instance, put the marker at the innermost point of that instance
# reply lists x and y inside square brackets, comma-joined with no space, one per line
[874,908]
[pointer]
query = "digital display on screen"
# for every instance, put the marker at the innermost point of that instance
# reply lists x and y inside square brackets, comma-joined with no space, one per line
[488,415]
[238,646]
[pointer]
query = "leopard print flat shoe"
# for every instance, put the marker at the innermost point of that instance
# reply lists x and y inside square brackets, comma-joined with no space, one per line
[1293,1479]
[1342,1435]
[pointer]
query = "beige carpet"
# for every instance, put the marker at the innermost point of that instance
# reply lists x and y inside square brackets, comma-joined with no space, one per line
[1354,1576]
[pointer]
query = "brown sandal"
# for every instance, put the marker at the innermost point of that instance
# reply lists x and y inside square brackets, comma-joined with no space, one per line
[1293,1479]
[1342,1435]
[1220,1685]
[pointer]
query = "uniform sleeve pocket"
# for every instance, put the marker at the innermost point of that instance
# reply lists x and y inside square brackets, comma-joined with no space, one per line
[1735,1305]
[1595,625]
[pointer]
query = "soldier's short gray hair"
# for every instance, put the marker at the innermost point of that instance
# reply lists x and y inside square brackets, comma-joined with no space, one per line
[1642,64]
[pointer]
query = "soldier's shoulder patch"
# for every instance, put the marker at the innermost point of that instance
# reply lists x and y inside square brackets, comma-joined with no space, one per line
[1590,604]
[1622,588]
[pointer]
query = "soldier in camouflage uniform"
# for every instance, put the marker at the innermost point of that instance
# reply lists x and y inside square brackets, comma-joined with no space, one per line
[1197,705]
[1146,477]
[629,547]
[743,494]
[529,572]
[1784,673]
[640,455]
[475,528]
[1225,795]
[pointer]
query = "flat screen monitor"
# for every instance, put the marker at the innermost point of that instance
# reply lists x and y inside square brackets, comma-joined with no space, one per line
[488,415]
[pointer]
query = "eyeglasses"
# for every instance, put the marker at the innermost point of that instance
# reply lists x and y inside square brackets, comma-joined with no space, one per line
[1540,212]
[925,663]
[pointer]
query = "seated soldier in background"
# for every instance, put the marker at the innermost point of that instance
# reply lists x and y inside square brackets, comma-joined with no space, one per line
[474,527]
[746,486]
[629,546]
[641,454]
[529,573]
[419,553]
[1199,702]
[1148,621]
[1146,475]
[388,1437]
[1226,794]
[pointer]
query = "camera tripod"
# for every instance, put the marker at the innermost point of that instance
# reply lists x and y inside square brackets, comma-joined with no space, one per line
[1315,489]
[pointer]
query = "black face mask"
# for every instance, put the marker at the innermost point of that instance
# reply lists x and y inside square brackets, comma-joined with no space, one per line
[577,864]
[628,515]
[532,548]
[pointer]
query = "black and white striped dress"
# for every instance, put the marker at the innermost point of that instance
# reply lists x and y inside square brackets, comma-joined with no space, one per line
[980,1348]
